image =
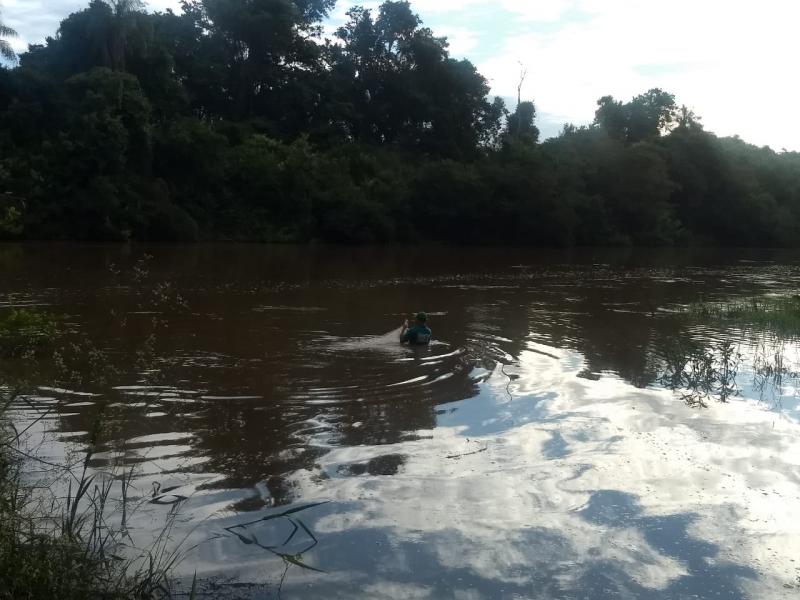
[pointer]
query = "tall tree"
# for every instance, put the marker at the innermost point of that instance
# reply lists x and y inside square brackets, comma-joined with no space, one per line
[521,125]
[687,119]
[6,51]
[406,90]
[104,34]
[646,116]
[651,114]
[122,27]
[612,116]
[230,118]
[258,48]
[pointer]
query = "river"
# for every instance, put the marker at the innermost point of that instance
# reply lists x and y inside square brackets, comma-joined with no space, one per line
[533,451]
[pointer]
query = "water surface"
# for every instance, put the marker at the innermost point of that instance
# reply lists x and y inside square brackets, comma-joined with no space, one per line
[535,450]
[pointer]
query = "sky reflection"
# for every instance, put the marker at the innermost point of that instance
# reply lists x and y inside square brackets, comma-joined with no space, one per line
[536,453]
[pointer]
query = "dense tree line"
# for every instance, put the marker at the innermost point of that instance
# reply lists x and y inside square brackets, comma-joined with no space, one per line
[235,120]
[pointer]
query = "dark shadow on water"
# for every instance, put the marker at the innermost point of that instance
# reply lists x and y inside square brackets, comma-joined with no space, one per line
[386,465]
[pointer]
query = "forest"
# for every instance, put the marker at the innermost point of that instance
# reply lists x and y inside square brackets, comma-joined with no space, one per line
[239,120]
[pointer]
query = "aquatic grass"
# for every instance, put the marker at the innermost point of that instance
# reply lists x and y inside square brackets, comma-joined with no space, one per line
[64,523]
[776,314]
[701,371]
[76,546]
[43,553]
[26,331]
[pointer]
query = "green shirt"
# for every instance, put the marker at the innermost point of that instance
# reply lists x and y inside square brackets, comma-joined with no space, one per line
[418,335]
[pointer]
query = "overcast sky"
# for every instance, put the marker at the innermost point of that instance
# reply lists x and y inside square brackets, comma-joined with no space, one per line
[733,61]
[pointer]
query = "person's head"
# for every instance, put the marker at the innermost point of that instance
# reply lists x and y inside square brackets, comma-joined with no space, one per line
[422,318]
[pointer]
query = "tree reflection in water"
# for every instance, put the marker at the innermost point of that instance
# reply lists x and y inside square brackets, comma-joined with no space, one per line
[774,371]
[699,372]
[552,379]
[703,372]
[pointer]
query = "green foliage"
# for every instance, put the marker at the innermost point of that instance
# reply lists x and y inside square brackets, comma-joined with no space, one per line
[25,331]
[34,565]
[6,51]
[53,547]
[776,314]
[404,89]
[521,126]
[639,193]
[229,121]
[645,117]
[10,222]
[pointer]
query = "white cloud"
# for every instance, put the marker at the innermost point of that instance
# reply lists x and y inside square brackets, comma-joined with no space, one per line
[512,515]
[462,40]
[731,61]
[538,10]
[35,20]
[162,5]
[451,7]
[528,10]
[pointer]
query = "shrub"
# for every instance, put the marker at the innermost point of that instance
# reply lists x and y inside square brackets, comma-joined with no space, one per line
[23,331]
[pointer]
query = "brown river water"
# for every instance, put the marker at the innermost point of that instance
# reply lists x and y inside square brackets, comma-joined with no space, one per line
[536,450]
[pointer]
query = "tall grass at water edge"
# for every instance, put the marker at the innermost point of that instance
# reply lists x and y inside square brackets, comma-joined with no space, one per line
[71,544]
[776,314]
[77,545]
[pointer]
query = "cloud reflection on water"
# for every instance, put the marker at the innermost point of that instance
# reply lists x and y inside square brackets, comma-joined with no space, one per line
[649,499]
[548,463]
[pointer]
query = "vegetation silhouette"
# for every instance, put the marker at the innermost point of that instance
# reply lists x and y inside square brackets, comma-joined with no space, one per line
[240,120]
[6,51]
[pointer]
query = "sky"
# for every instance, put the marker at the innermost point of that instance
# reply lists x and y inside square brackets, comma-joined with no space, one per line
[732,61]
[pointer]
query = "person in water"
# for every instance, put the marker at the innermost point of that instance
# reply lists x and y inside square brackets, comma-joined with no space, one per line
[418,335]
